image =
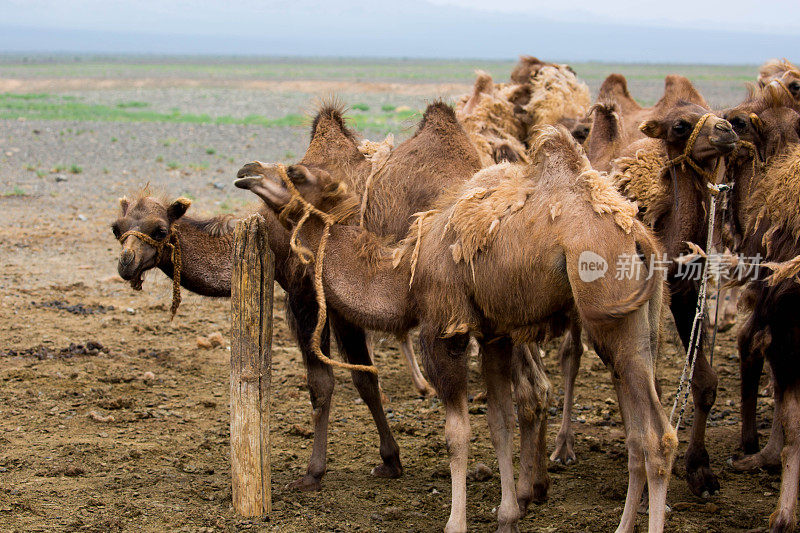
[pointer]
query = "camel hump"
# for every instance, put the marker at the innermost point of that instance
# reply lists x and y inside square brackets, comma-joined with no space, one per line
[526,66]
[614,86]
[677,87]
[438,114]
[557,145]
[483,82]
[330,118]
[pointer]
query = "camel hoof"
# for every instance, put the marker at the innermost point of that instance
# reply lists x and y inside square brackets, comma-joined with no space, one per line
[564,453]
[701,480]
[508,528]
[753,462]
[427,392]
[307,483]
[387,471]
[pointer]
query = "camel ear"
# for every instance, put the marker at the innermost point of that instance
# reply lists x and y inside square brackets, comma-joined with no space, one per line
[757,123]
[300,174]
[177,208]
[652,128]
[124,203]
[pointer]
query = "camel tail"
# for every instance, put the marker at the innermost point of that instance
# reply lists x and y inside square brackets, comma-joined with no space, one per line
[649,247]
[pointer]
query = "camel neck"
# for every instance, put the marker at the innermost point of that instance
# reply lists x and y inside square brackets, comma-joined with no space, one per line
[206,260]
[687,219]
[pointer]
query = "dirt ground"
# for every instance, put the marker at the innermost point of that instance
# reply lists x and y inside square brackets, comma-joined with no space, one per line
[113,418]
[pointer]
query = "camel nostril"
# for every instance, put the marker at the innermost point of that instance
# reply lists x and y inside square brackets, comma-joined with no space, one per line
[723,126]
[126,258]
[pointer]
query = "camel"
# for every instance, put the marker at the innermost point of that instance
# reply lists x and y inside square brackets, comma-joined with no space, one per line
[784,78]
[673,201]
[772,130]
[614,90]
[439,154]
[513,222]
[771,330]
[499,118]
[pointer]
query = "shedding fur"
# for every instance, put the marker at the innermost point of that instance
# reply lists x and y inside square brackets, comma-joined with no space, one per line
[641,179]
[776,199]
[606,198]
[776,68]
[557,94]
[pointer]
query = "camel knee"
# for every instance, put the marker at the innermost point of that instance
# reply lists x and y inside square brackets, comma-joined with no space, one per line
[704,390]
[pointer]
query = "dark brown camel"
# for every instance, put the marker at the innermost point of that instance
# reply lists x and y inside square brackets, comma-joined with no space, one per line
[772,129]
[772,330]
[512,223]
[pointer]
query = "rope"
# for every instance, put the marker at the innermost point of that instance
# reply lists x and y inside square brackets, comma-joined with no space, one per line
[322,311]
[175,256]
[367,187]
[700,311]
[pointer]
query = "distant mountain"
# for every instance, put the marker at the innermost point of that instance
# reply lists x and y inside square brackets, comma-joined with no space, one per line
[376,29]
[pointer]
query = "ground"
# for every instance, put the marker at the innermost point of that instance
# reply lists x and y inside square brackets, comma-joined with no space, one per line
[113,418]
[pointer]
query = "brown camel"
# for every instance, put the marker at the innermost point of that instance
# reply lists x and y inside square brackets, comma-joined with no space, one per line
[440,154]
[513,223]
[673,201]
[614,89]
[772,130]
[772,330]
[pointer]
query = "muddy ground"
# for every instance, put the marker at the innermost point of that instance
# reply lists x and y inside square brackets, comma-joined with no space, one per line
[113,418]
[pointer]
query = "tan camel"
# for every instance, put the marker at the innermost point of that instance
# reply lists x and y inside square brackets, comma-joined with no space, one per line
[784,78]
[515,223]
[772,130]
[673,200]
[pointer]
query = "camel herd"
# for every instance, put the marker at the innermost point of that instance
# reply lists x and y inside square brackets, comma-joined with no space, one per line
[483,230]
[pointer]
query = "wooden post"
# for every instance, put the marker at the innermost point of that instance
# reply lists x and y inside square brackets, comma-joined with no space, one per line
[251,357]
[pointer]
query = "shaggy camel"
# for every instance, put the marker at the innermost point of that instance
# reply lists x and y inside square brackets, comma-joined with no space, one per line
[783,76]
[515,223]
[440,153]
[772,330]
[673,201]
[499,118]
[772,130]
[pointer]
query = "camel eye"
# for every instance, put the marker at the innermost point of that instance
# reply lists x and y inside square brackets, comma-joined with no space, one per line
[739,124]
[681,128]
[115,229]
[794,87]
[159,234]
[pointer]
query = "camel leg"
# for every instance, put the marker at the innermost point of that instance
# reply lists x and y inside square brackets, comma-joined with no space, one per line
[500,416]
[352,342]
[770,454]
[650,439]
[445,360]
[784,518]
[701,480]
[531,393]
[301,316]
[420,383]
[570,357]
[751,363]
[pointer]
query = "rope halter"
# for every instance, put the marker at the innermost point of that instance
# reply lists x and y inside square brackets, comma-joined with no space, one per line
[304,255]
[686,156]
[174,246]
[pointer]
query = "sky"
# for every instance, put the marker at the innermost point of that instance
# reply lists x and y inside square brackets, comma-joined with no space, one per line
[688,31]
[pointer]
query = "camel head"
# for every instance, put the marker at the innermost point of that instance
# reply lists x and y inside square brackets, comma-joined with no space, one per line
[152,217]
[768,126]
[314,184]
[781,77]
[676,125]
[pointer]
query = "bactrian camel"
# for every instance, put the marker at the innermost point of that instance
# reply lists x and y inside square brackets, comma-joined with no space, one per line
[501,258]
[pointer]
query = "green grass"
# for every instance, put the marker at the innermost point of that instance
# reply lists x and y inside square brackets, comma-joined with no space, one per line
[210,151]
[16,191]
[172,165]
[75,169]
[361,107]
[50,107]
[126,105]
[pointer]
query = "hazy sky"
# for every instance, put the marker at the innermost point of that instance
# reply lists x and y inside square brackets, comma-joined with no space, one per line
[729,31]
